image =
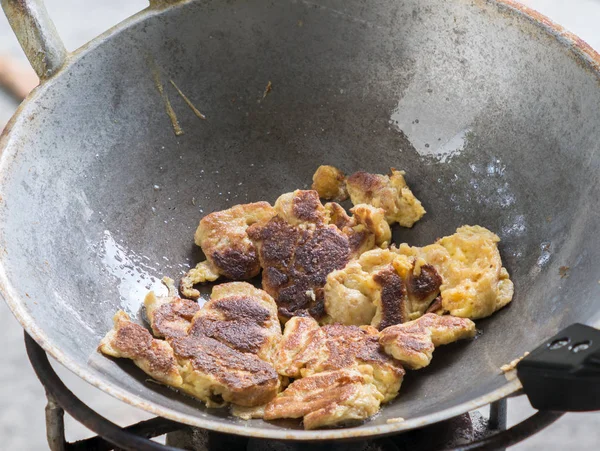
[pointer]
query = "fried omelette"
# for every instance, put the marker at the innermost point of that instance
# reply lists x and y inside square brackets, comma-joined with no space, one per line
[328,399]
[413,343]
[308,349]
[388,192]
[356,311]
[381,288]
[228,250]
[219,353]
[300,246]
[474,282]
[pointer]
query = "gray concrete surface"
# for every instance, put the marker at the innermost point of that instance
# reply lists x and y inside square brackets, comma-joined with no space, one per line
[22,399]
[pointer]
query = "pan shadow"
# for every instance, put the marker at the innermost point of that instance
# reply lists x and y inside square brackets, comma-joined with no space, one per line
[444,357]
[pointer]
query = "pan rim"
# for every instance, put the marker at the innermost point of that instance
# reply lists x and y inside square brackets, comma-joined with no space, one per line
[591,60]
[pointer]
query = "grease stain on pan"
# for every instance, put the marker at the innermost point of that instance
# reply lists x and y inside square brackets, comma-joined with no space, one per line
[132,273]
[75,314]
[438,143]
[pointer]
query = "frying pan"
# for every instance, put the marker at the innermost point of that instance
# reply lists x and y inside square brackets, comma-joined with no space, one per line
[491,109]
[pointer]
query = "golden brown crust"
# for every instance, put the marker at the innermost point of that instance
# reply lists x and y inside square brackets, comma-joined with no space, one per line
[392,300]
[423,284]
[131,341]
[334,347]
[368,183]
[413,343]
[307,207]
[388,192]
[296,262]
[330,183]
[229,252]
[216,369]
[301,207]
[428,281]
[243,331]
[241,317]
[327,399]
[169,316]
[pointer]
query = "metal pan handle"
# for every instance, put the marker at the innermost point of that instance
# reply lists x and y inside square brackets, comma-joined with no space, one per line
[37,35]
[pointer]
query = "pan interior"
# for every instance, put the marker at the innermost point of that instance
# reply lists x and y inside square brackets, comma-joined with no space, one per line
[494,120]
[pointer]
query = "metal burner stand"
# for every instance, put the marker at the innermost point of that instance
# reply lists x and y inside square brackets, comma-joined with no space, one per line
[466,432]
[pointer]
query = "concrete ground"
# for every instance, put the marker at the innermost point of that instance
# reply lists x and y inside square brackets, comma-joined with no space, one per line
[22,399]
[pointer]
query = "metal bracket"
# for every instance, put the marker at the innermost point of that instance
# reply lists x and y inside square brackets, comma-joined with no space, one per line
[55,424]
[37,35]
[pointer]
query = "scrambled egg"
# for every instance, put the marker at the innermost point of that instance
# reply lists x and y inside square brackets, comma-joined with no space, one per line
[380,309]
[219,353]
[330,183]
[388,192]
[413,343]
[229,252]
[391,193]
[475,284]
[380,288]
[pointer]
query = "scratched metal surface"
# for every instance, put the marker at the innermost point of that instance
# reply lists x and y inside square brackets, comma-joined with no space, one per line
[487,111]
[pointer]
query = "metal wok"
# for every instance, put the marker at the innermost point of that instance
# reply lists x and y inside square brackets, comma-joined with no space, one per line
[491,109]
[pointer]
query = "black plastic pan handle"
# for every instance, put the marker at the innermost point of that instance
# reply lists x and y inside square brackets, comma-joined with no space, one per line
[563,374]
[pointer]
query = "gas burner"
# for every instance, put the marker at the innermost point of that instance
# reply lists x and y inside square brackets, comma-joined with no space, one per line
[466,432]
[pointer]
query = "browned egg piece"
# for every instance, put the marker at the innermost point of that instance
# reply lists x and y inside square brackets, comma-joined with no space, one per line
[230,253]
[242,317]
[330,183]
[413,343]
[474,282]
[131,341]
[305,242]
[327,399]
[308,349]
[381,288]
[388,192]
[219,353]
[216,374]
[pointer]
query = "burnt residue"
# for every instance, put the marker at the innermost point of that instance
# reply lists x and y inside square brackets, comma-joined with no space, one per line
[425,284]
[394,299]
[296,262]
